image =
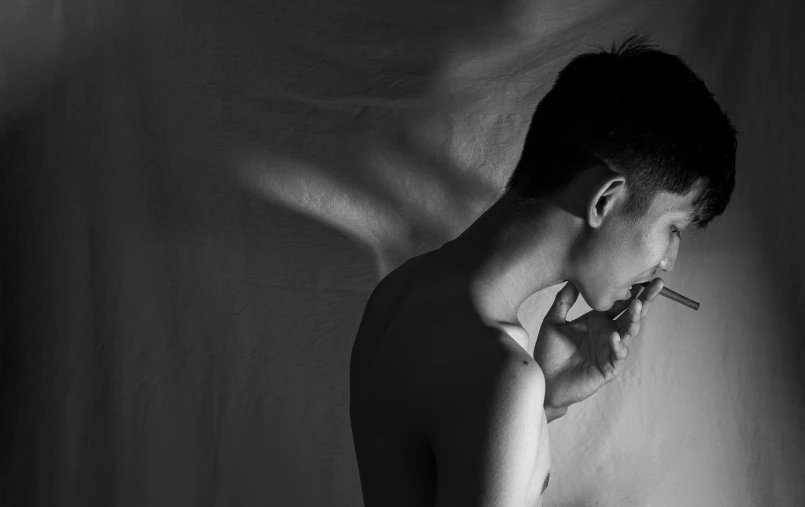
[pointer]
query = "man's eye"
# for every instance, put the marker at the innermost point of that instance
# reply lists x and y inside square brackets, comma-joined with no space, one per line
[676,231]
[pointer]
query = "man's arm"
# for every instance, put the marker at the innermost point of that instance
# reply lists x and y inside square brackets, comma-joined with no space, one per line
[487,440]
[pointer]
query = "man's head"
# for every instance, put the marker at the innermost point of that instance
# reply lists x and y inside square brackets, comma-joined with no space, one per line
[638,134]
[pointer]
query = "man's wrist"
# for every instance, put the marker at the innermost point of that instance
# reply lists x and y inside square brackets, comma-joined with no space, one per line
[553,413]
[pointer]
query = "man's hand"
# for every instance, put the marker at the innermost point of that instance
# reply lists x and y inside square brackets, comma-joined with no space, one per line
[580,356]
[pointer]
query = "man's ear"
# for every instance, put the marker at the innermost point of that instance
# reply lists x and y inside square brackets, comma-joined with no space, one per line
[606,196]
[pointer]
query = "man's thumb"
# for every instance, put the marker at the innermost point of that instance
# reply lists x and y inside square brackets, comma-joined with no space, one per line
[565,299]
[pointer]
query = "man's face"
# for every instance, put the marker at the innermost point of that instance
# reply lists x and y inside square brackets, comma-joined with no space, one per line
[627,251]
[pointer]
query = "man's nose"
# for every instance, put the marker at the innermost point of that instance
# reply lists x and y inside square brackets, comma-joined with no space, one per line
[667,264]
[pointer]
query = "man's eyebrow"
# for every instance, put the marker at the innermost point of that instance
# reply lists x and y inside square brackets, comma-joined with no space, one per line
[545,485]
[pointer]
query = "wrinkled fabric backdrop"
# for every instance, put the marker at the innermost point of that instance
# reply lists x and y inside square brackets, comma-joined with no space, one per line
[198,198]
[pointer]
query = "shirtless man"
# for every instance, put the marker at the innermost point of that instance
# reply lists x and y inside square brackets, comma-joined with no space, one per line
[450,397]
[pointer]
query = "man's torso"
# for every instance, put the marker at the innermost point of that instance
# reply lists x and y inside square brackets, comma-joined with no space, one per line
[408,357]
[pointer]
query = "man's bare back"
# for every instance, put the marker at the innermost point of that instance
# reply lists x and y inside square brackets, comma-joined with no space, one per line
[418,360]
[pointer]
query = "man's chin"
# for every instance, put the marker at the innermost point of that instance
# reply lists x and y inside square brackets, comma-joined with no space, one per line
[606,300]
[604,305]
[610,302]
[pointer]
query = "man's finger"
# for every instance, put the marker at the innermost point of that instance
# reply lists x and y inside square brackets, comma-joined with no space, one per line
[565,299]
[616,358]
[623,304]
[650,294]
[618,361]
[629,323]
[653,289]
[647,292]
[618,308]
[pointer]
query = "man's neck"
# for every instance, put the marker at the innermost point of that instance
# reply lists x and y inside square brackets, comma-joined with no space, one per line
[503,260]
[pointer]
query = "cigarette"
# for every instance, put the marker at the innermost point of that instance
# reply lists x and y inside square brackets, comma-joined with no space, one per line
[679,298]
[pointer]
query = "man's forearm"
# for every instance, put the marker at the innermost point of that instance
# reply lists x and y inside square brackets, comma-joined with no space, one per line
[552,413]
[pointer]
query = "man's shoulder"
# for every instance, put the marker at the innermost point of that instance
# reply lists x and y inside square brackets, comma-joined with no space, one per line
[478,349]
[489,370]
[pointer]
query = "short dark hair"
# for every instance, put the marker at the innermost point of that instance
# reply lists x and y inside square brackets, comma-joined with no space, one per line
[642,112]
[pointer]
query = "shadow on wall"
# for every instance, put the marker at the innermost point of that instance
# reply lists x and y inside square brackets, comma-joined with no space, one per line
[324,108]
[186,278]
[340,111]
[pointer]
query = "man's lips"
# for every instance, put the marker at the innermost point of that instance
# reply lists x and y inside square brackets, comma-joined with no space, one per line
[644,280]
